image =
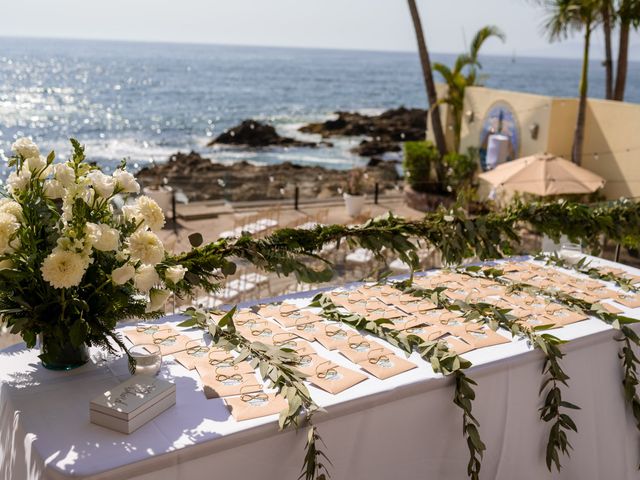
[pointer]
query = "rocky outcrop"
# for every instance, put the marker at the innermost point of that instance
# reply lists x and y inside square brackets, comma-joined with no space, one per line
[201,179]
[385,131]
[255,134]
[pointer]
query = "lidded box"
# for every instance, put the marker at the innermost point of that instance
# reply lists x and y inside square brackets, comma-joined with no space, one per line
[129,405]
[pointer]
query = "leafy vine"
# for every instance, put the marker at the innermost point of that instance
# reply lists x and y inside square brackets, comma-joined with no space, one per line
[277,367]
[618,322]
[437,354]
[552,372]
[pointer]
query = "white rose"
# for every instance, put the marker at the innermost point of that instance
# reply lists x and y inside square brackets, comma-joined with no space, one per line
[8,227]
[102,184]
[18,180]
[64,269]
[123,274]
[36,163]
[150,213]
[12,207]
[53,189]
[26,148]
[145,278]
[146,247]
[109,239]
[157,299]
[175,274]
[126,182]
[64,174]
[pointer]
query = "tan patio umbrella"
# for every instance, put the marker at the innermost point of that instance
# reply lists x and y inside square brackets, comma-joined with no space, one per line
[543,174]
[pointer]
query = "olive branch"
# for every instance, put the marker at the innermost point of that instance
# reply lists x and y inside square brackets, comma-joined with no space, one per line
[277,367]
[437,354]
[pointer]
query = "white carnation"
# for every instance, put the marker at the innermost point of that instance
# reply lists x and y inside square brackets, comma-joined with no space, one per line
[8,227]
[102,184]
[175,274]
[129,212]
[53,189]
[64,269]
[109,239]
[157,299]
[64,174]
[145,278]
[126,182]
[12,207]
[123,274]
[18,180]
[150,213]
[26,148]
[146,247]
[36,163]
[92,233]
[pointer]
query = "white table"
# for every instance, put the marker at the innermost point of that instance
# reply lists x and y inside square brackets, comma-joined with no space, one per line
[405,427]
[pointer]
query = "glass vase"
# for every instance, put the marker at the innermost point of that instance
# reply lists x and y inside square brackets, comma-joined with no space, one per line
[57,354]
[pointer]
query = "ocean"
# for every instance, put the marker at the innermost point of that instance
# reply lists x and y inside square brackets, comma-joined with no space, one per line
[146,101]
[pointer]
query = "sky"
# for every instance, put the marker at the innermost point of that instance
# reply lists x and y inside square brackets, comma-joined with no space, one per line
[343,24]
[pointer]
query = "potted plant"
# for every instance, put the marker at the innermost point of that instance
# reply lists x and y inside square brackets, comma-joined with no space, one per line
[354,196]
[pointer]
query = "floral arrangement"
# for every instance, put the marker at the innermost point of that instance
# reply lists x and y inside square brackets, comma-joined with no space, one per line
[71,264]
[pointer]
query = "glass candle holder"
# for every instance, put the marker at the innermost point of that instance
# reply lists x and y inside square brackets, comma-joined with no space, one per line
[148,359]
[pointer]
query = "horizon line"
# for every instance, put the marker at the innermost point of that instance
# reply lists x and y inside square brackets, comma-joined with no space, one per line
[593,58]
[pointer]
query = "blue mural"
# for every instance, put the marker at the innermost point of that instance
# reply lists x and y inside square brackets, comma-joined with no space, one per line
[500,118]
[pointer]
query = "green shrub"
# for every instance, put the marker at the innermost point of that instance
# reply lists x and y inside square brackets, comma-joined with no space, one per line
[460,169]
[418,157]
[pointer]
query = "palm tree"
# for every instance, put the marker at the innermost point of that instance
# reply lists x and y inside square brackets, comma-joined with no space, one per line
[606,10]
[629,16]
[565,17]
[436,123]
[457,80]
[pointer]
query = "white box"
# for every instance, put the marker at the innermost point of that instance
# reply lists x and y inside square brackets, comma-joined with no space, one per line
[128,406]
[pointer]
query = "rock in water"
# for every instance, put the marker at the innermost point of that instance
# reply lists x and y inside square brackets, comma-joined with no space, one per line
[386,130]
[255,134]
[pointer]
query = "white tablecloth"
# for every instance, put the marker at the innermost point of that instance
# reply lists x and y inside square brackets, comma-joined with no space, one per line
[405,427]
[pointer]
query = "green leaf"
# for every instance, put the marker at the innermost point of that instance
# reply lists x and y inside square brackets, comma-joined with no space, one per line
[78,332]
[196,239]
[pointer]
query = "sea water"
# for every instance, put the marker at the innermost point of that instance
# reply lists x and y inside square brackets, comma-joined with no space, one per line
[146,101]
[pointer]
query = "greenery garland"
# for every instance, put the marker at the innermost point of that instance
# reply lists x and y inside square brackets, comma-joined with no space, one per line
[582,266]
[552,372]
[437,354]
[452,232]
[277,367]
[618,322]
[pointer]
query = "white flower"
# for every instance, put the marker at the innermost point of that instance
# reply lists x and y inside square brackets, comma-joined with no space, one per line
[8,227]
[36,163]
[64,269]
[175,274]
[157,299]
[145,278]
[123,274]
[129,212]
[92,233]
[12,207]
[102,184]
[64,174]
[6,264]
[448,218]
[18,180]
[53,189]
[150,213]
[26,148]
[126,182]
[146,247]
[109,239]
